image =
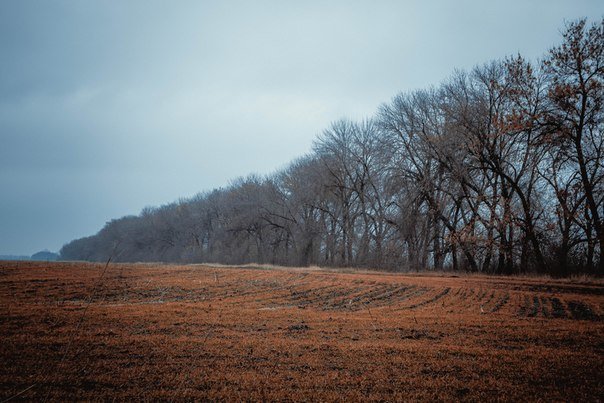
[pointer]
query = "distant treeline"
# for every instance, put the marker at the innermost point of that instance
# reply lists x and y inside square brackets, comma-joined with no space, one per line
[497,170]
[39,256]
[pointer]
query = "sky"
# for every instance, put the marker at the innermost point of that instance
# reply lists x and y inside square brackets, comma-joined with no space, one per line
[110,106]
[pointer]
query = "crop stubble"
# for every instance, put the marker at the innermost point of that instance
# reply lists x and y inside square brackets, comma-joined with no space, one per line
[199,332]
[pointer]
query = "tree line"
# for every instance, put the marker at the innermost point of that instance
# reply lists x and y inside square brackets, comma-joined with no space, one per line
[496,170]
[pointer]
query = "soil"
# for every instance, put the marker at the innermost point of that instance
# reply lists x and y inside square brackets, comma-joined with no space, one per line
[81,331]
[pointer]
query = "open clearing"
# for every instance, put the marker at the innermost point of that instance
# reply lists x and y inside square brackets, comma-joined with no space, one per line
[157,332]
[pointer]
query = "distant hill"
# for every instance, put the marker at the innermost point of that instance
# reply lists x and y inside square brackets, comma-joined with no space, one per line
[44,256]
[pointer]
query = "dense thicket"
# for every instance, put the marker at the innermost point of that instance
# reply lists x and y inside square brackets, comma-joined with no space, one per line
[499,169]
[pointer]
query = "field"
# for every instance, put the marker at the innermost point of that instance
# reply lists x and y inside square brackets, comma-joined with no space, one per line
[156,332]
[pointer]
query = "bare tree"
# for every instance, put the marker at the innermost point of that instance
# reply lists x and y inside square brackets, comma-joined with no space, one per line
[576,78]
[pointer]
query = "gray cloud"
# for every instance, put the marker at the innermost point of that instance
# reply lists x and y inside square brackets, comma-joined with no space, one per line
[106,107]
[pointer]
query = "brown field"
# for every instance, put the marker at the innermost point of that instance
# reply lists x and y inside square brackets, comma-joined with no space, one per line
[155,332]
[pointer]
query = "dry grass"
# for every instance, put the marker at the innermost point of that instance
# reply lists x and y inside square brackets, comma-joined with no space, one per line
[159,332]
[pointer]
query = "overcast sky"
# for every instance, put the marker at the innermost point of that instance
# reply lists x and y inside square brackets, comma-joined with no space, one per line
[110,106]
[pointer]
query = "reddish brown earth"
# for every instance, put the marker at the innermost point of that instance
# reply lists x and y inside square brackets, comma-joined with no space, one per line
[155,332]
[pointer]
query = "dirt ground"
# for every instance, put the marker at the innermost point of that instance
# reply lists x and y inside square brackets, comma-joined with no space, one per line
[173,333]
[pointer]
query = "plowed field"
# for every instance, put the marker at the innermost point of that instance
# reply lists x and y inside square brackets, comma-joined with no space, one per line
[172,333]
